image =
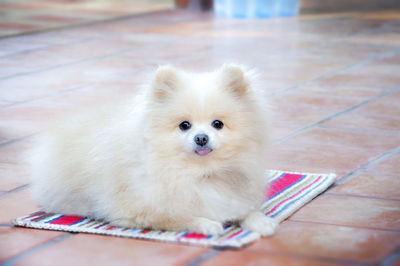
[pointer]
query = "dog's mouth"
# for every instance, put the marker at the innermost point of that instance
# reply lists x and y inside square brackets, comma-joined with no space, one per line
[203,151]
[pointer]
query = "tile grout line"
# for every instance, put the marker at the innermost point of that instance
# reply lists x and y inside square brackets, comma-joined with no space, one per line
[22,187]
[11,141]
[8,142]
[395,175]
[337,114]
[373,45]
[367,165]
[383,116]
[55,94]
[85,60]
[84,24]
[356,196]
[203,257]
[388,261]
[384,132]
[17,189]
[338,71]
[7,225]
[345,225]
[310,257]
[75,87]
[51,46]
[352,35]
[36,249]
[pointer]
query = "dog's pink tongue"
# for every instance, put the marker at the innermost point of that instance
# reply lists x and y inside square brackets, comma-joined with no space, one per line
[203,151]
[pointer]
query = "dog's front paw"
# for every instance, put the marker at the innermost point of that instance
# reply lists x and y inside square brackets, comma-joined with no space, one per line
[206,226]
[258,222]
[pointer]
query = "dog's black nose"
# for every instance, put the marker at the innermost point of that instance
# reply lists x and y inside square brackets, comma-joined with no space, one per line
[201,139]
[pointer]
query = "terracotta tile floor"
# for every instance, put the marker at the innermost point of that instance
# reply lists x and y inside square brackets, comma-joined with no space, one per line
[22,16]
[334,86]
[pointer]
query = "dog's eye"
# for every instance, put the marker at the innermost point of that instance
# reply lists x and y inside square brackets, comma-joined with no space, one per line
[217,124]
[185,125]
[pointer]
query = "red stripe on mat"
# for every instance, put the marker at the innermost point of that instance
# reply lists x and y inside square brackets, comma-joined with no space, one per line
[299,192]
[195,236]
[67,220]
[282,183]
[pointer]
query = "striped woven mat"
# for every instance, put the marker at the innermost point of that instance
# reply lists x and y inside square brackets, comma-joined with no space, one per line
[288,192]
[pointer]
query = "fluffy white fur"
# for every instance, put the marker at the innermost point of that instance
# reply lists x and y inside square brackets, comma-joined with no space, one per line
[132,165]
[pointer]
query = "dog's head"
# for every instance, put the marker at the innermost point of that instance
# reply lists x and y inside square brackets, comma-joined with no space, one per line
[205,116]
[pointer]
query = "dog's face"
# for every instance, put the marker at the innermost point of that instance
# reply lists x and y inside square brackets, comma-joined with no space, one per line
[203,116]
[201,137]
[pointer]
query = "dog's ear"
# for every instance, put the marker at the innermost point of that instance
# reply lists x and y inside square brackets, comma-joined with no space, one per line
[166,80]
[234,78]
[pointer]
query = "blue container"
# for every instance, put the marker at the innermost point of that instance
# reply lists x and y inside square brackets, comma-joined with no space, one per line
[220,7]
[239,8]
[265,8]
[256,8]
[288,8]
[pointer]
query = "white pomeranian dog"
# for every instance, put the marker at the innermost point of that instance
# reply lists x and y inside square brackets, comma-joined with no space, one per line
[185,154]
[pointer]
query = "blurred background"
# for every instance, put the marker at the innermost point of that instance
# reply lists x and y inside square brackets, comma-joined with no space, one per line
[22,16]
[329,68]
